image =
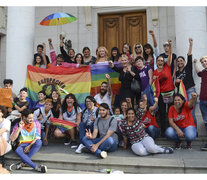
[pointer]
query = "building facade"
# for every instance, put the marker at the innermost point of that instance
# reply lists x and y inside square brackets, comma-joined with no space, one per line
[21,32]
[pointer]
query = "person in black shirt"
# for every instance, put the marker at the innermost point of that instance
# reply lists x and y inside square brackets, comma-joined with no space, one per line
[185,74]
[40,52]
[69,58]
[127,73]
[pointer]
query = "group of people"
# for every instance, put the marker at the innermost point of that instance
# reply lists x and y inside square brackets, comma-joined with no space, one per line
[136,118]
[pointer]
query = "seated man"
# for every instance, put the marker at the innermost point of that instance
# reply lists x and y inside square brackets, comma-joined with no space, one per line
[5,125]
[28,132]
[43,114]
[105,126]
[41,100]
[105,95]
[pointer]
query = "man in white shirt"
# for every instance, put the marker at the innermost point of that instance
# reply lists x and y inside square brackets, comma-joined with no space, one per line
[105,95]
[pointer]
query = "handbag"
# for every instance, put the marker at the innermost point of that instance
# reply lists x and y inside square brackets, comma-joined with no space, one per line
[135,86]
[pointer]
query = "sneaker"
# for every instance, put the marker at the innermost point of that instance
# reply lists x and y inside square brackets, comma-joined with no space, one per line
[67,141]
[103,154]
[189,145]
[73,144]
[178,145]
[168,150]
[121,143]
[79,149]
[42,169]
[86,150]
[204,148]
[15,166]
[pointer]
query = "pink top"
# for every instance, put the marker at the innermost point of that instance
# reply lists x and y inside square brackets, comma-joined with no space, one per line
[64,64]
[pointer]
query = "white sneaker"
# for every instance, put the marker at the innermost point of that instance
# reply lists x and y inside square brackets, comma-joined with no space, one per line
[103,154]
[79,149]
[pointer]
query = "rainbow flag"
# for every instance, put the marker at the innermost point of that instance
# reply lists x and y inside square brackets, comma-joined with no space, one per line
[66,125]
[182,90]
[156,87]
[73,80]
[98,72]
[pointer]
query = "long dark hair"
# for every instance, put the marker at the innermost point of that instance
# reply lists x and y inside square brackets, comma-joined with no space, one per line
[114,59]
[35,62]
[130,49]
[147,46]
[75,104]
[58,100]
[82,62]
[182,97]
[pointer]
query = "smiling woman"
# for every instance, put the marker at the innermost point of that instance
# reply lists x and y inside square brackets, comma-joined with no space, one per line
[71,112]
[181,121]
[163,74]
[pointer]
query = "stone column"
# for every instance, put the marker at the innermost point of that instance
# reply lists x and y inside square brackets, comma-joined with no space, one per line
[191,22]
[20,40]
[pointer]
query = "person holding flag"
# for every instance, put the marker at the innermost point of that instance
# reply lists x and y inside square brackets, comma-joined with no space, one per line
[184,75]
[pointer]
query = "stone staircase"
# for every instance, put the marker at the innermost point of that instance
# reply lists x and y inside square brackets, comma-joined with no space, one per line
[58,156]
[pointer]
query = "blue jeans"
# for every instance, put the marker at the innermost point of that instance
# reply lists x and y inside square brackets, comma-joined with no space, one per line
[82,131]
[149,93]
[43,137]
[188,92]
[189,133]
[108,145]
[153,131]
[26,158]
[203,108]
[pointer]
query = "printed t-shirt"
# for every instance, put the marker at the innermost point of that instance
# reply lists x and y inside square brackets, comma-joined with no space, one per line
[184,119]
[148,119]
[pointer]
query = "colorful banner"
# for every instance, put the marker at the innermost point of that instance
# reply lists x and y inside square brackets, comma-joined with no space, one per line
[66,125]
[5,97]
[98,72]
[182,90]
[73,80]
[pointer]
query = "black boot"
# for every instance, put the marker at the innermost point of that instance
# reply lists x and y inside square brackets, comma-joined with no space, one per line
[2,160]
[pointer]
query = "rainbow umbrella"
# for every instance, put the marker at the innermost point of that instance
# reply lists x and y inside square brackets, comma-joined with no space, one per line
[58,19]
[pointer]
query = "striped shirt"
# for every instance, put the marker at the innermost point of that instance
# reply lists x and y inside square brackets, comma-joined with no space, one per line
[135,132]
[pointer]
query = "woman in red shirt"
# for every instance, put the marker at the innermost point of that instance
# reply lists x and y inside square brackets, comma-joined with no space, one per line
[181,121]
[163,73]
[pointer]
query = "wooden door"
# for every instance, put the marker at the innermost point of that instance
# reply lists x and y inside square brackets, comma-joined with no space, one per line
[116,29]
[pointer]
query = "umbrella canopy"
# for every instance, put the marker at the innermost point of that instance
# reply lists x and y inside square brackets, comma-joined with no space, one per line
[58,19]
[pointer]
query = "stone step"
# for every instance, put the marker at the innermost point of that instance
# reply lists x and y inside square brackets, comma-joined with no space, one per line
[58,156]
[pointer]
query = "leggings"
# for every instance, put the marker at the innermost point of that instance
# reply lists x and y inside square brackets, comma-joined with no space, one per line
[146,146]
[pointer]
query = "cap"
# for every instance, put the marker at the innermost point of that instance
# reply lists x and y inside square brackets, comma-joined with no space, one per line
[166,43]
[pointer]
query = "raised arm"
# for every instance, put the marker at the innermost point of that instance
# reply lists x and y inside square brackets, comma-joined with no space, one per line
[153,108]
[169,60]
[14,135]
[44,54]
[196,66]
[50,44]
[109,84]
[192,100]
[151,32]
[61,40]
[52,51]
[190,46]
